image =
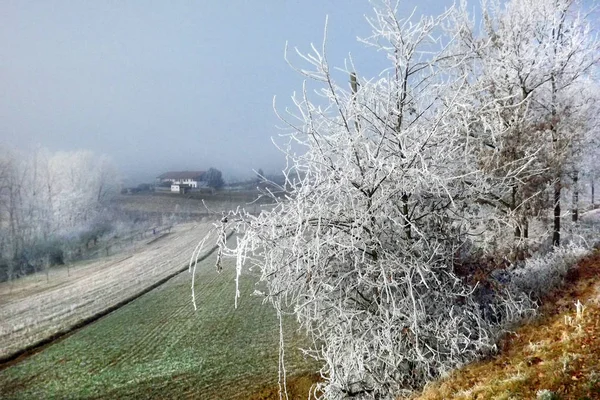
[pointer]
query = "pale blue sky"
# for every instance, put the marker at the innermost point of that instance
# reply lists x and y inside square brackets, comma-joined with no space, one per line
[163,85]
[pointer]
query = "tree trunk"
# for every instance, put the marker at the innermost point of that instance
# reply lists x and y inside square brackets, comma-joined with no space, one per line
[592,191]
[575,207]
[407,228]
[513,206]
[556,231]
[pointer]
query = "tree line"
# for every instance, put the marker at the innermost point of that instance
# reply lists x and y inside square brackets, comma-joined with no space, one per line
[47,198]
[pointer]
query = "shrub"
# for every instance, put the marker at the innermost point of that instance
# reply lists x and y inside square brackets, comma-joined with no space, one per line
[546,394]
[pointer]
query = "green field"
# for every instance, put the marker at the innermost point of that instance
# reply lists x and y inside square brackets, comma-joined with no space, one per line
[159,347]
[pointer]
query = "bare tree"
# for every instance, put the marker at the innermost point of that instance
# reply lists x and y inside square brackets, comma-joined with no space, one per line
[527,69]
[502,87]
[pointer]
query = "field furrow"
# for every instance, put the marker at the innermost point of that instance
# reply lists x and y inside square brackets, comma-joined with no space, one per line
[159,347]
[27,317]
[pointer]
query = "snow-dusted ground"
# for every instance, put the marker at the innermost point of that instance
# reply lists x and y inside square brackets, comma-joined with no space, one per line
[32,309]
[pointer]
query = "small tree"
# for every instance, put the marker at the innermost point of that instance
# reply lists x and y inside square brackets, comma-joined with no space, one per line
[260,175]
[214,178]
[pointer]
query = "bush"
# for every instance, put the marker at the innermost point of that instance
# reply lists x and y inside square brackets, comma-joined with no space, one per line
[39,256]
[95,232]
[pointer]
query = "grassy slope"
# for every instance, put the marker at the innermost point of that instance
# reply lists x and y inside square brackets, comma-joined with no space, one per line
[559,352]
[158,347]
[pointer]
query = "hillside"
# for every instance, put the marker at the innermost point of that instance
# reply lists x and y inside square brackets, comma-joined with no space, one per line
[557,353]
[158,347]
[192,205]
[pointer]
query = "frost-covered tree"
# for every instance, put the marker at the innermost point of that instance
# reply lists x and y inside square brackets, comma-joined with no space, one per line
[501,60]
[45,195]
[12,212]
[589,166]
[80,182]
[529,66]
[572,50]
[583,112]
[383,193]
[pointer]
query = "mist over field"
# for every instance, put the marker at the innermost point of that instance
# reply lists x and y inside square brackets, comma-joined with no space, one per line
[161,87]
[330,200]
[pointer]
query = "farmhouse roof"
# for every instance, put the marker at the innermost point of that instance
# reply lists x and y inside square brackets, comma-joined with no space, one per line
[181,175]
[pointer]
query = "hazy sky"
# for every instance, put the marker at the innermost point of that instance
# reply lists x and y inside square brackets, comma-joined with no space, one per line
[163,85]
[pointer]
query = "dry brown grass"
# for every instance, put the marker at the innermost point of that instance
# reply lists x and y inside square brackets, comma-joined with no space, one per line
[298,387]
[558,352]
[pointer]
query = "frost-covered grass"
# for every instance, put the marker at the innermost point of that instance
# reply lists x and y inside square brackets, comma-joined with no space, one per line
[158,347]
[33,308]
[545,271]
[193,205]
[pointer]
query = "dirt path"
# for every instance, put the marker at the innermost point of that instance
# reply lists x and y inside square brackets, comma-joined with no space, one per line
[33,310]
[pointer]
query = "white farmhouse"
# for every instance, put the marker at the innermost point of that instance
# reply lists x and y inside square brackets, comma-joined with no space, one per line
[182,181]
